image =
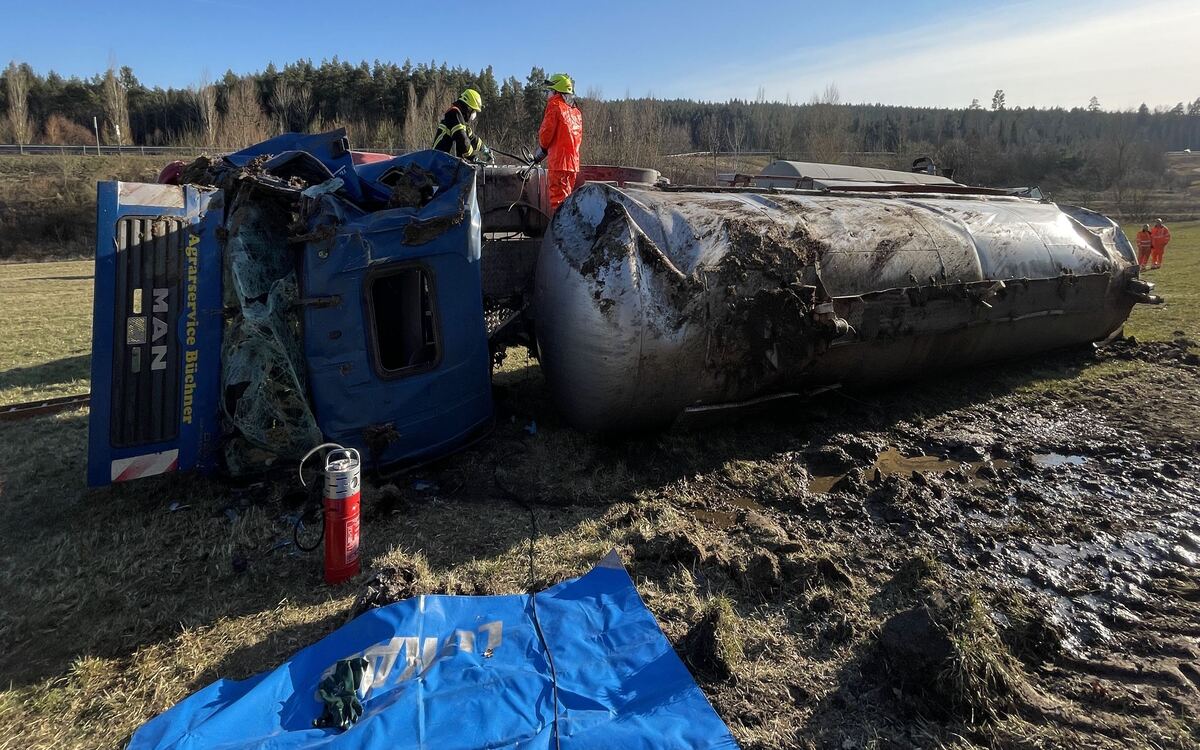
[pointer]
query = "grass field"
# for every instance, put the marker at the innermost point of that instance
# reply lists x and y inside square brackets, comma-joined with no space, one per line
[47,346]
[114,607]
[1176,281]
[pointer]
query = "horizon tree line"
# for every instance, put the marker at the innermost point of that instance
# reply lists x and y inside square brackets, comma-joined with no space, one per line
[389,106]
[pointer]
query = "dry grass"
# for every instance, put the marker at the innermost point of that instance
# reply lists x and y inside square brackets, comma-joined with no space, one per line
[114,607]
[981,678]
[48,203]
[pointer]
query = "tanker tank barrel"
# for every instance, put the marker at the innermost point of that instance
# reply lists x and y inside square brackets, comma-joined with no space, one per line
[651,302]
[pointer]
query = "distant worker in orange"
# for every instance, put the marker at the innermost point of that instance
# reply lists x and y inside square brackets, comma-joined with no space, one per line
[1144,243]
[559,138]
[1159,237]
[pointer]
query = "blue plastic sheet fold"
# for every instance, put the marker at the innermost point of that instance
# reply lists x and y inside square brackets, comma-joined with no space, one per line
[472,672]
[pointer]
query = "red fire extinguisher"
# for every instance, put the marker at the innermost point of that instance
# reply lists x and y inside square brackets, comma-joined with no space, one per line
[341,510]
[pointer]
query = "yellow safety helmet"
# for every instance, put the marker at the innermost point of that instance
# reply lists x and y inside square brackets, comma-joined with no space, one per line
[472,99]
[560,82]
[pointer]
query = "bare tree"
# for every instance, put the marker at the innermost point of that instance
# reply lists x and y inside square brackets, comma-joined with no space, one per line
[204,94]
[17,79]
[416,134]
[244,122]
[421,117]
[292,105]
[625,132]
[1120,156]
[59,130]
[735,136]
[115,102]
[282,98]
[766,126]
[209,117]
[302,109]
[957,156]
[387,134]
[644,137]
[827,134]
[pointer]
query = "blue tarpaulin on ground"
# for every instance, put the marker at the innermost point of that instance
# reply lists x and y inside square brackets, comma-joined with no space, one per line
[472,672]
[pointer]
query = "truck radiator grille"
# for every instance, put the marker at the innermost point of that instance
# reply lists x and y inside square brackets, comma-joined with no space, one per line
[146,347]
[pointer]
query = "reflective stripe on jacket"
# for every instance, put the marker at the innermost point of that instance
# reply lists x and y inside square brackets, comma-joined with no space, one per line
[454,136]
[561,134]
[1143,240]
[1159,237]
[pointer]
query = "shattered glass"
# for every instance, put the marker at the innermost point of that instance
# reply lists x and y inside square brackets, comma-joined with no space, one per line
[262,376]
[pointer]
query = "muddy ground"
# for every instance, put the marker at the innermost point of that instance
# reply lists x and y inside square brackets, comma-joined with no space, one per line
[935,567]
[1032,585]
[1005,557]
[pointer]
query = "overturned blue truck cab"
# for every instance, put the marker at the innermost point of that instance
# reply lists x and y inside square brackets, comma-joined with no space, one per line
[282,296]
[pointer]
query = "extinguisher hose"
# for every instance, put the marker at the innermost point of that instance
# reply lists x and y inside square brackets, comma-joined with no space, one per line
[300,468]
[314,502]
[313,508]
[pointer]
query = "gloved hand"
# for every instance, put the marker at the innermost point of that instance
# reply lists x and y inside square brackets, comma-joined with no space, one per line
[486,156]
[539,155]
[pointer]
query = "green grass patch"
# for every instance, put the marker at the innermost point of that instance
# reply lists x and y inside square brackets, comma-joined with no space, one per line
[1178,282]
[45,350]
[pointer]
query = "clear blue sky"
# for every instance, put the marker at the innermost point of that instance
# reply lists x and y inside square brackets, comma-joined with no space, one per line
[925,52]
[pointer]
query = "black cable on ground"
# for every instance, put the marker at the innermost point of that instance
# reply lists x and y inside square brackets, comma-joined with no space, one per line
[537,623]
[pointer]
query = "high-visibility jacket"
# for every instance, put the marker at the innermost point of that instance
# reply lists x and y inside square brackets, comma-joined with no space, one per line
[561,134]
[454,135]
[1159,237]
[1143,240]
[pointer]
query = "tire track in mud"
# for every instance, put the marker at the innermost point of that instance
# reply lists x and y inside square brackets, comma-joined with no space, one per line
[1073,519]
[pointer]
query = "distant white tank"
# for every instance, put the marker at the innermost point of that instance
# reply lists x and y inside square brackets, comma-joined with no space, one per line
[650,302]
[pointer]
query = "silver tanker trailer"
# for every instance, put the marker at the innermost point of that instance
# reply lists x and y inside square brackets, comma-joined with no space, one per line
[299,292]
[653,301]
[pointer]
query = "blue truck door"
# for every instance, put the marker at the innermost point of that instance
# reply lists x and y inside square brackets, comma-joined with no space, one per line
[156,331]
[394,335]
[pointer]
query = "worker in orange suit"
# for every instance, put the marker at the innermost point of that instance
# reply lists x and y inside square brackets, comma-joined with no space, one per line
[1159,237]
[1144,243]
[559,138]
